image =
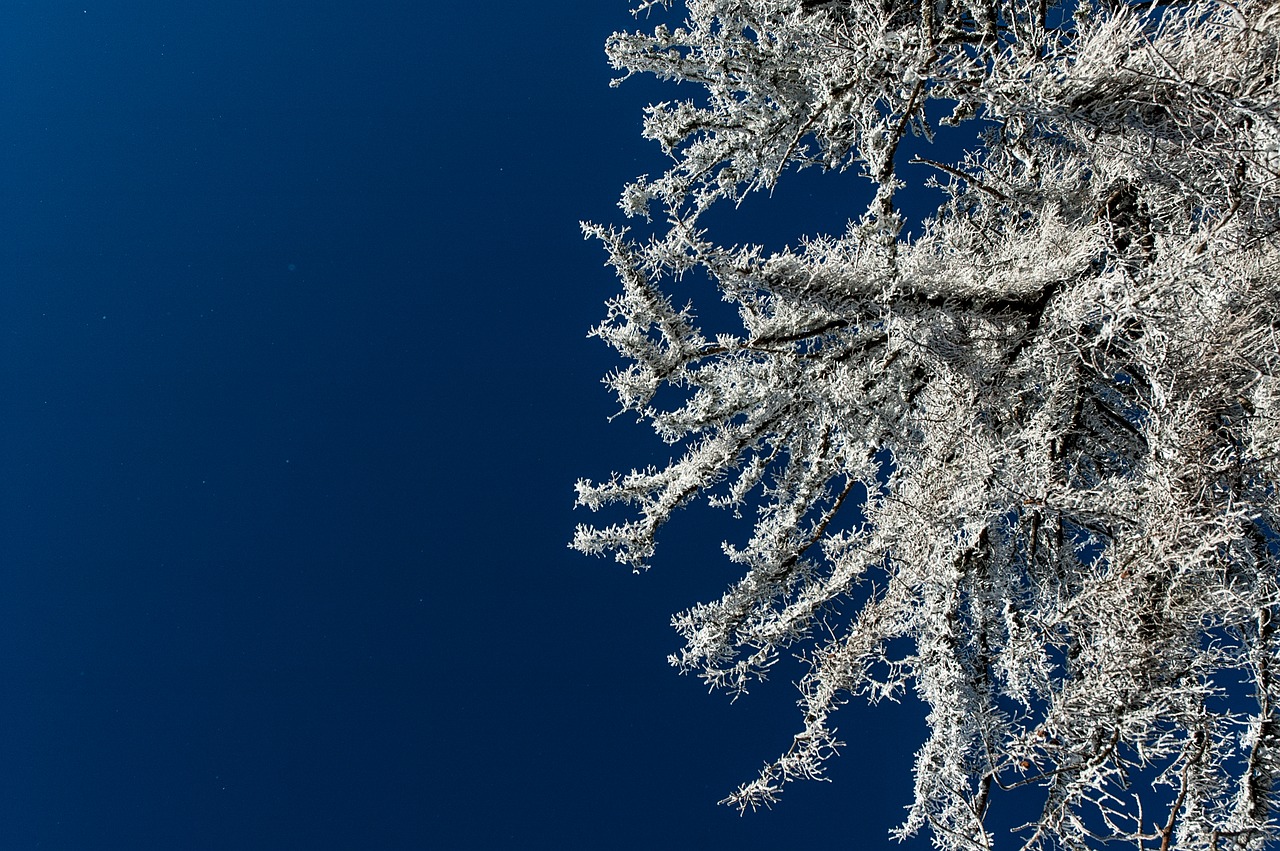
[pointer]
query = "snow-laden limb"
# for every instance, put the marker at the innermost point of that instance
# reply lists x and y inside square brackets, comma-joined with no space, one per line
[1024,466]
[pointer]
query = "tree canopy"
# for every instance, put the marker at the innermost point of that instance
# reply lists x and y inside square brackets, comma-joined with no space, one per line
[1024,464]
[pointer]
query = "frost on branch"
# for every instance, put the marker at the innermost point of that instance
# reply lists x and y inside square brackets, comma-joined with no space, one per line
[1024,466]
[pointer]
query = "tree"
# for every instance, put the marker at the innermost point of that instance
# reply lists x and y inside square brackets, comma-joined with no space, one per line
[1025,464]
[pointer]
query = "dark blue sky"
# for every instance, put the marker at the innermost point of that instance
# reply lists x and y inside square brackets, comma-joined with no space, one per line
[293,391]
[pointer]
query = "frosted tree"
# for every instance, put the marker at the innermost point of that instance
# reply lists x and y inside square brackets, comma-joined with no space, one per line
[1024,465]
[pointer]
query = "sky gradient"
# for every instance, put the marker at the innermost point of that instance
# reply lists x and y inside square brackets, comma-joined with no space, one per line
[294,388]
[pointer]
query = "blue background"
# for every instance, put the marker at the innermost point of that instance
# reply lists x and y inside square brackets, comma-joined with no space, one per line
[293,391]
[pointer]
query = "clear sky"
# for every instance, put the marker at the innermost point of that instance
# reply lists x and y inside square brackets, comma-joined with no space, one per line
[294,388]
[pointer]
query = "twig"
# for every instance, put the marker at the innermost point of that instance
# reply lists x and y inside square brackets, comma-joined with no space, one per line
[954,172]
